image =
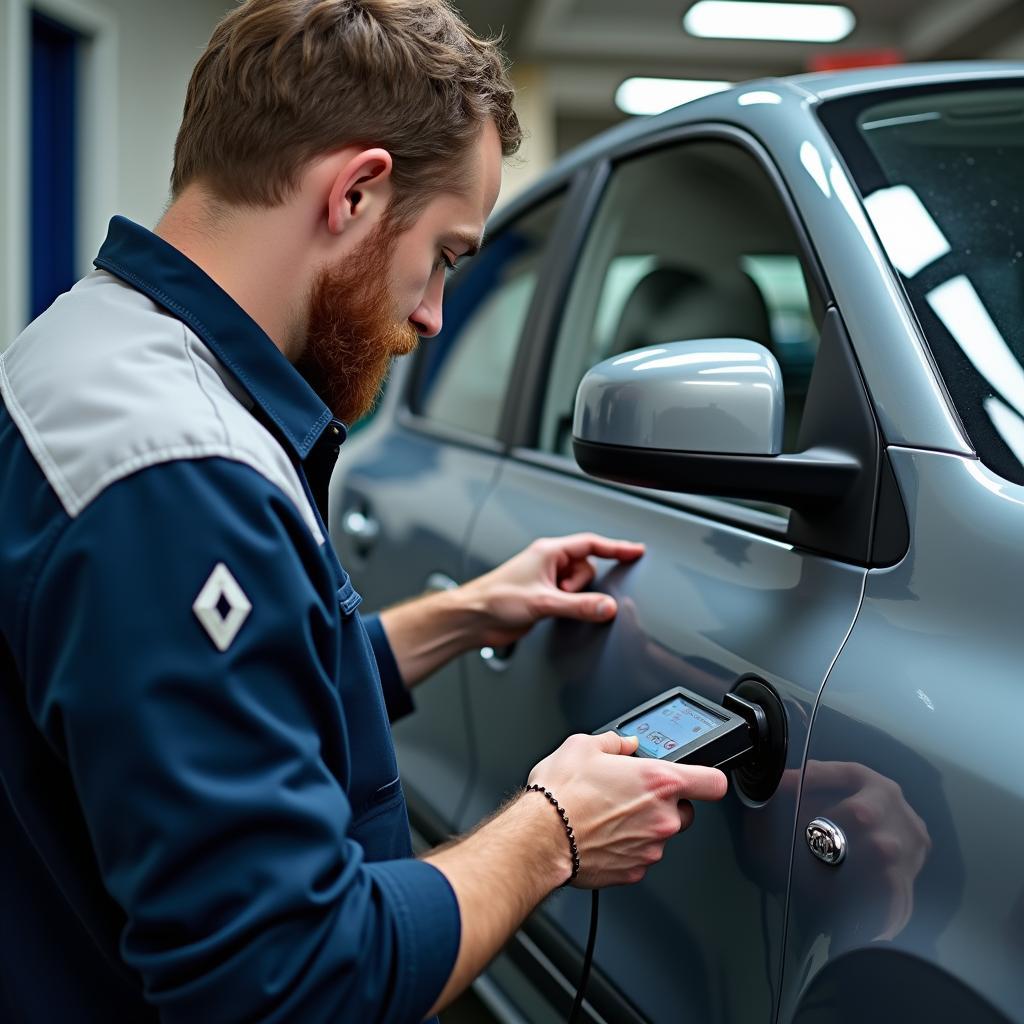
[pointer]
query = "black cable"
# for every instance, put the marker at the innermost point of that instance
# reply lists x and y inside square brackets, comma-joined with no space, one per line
[588,957]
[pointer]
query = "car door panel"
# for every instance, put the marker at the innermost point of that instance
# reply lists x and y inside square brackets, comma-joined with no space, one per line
[707,604]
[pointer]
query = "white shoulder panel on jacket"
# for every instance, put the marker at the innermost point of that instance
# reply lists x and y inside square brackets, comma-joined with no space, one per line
[106,383]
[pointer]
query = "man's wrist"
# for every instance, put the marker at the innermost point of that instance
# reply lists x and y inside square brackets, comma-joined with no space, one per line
[467,611]
[525,840]
[554,852]
[570,833]
[427,632]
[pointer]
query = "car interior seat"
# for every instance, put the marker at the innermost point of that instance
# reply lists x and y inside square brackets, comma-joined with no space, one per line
[674,303]
[677,304]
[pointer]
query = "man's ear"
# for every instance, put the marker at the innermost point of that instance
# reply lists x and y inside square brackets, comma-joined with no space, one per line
[361,189]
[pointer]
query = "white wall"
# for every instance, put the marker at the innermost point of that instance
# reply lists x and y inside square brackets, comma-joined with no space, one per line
[137,64]
[535,107]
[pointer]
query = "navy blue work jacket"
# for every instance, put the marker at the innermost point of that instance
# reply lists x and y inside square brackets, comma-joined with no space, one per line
[201,813]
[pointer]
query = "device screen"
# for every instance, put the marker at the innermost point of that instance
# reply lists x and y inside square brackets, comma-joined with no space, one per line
[669,726]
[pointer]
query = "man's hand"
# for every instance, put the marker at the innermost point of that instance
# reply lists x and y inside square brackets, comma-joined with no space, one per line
[623,811]
[545,580]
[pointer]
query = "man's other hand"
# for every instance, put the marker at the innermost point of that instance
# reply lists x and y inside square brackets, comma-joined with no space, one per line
[547,579]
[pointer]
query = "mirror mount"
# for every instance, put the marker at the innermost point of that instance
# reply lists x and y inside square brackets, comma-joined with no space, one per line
[814,478]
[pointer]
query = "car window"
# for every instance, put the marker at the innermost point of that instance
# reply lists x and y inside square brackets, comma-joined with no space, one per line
[940,172]
[464,372]
[689,242]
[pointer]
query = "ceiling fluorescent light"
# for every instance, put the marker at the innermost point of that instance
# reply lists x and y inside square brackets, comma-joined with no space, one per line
[654,95]
[752,19]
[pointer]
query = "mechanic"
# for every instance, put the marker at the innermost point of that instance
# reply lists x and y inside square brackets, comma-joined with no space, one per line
[201,812]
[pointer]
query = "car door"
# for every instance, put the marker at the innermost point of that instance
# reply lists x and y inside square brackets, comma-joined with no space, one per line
[693,237]
[406,488]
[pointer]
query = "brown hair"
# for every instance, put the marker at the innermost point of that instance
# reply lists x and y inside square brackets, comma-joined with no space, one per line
[284,81]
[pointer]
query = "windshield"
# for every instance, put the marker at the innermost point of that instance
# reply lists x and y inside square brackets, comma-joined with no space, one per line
[942,176]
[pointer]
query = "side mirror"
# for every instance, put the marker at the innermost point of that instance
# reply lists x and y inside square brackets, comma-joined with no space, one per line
[701,417]
[723,395]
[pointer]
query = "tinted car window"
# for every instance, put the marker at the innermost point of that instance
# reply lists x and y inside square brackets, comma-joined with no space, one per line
[941,173]
[690,242]
[464,372]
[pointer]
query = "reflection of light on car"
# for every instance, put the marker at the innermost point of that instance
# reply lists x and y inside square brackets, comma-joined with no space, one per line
[695,358]
[1009,425]
[811,159]
[762,96]
[891,122]
[960,308]
[910,235]
[635,357]
[712,370]
[845,194]
[925,700]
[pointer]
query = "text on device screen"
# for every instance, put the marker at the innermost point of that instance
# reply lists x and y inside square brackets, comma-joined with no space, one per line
[670,726]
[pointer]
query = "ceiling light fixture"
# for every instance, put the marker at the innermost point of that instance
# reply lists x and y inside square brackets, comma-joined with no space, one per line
[753,19]
[655,95]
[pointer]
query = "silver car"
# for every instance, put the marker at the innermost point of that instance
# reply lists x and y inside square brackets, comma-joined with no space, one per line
[797,312]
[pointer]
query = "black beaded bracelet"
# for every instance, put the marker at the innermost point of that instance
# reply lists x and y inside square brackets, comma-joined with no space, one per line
[568,828]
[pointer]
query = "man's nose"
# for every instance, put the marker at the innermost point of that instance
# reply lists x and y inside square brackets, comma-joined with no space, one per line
[427,317]
[427,323]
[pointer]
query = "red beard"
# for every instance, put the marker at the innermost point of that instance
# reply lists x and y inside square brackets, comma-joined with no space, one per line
[352,334]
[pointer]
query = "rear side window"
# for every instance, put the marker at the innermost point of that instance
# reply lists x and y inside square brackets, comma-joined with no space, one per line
[463,374]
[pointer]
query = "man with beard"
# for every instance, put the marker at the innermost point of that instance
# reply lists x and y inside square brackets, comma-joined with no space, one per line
[201,809]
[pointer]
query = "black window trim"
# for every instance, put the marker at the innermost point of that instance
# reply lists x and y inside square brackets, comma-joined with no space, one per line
[535,356]
[525,397]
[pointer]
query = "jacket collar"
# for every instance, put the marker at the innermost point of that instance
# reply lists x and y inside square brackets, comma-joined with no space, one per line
[158,270]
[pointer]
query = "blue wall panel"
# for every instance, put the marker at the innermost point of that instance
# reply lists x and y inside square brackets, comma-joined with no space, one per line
[54,167]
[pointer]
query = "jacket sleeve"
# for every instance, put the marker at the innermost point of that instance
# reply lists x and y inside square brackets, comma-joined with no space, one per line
[396,695]
[212,772]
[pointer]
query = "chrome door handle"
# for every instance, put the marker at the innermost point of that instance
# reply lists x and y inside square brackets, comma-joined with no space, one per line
[363,529]
[438,581]
[497,658]
[826,840]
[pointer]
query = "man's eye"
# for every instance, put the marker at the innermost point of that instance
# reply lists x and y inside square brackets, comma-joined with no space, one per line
[446,261]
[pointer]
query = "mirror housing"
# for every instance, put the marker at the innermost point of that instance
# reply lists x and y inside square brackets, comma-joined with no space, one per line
[720,395]
[702,417]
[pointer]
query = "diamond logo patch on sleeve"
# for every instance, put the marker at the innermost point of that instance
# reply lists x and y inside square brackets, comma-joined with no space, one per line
[222,607]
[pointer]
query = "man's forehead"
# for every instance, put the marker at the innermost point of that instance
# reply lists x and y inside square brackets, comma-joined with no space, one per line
[464,209]
[484,183]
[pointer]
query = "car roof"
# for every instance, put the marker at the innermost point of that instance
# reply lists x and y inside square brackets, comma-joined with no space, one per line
[795,92]
[831,84]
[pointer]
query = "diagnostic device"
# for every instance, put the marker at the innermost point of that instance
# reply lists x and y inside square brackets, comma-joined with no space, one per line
[680,725]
